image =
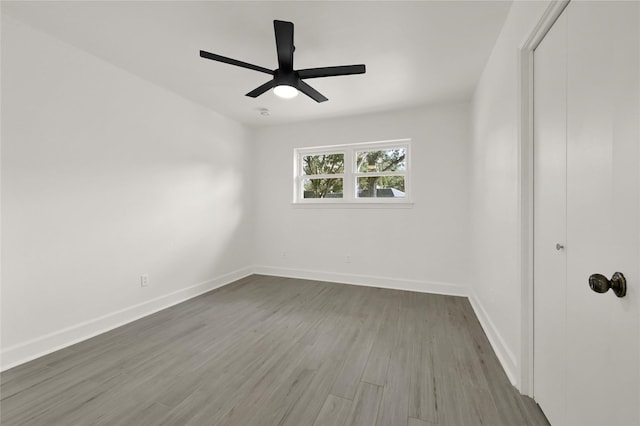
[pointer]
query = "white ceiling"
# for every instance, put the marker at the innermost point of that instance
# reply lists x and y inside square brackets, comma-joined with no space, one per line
[416,53]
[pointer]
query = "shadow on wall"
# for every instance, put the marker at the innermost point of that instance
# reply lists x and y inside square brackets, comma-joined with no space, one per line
[76,242]
[196,224]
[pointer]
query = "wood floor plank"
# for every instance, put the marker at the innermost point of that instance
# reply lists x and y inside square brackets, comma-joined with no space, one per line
[273,392]
[184,413]
[422,385]
[534,414]
[378,362]
[509,404]
[277,351]
[422,392]
[368,322]
[149,415]
[417,422]
[329,345]
[27,378]
[364,410]
[447,387]
[394,408]
[334,412]
[271,410]
[247,381]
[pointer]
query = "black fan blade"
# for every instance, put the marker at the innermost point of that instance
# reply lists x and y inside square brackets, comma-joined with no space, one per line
[310,92]
[284,44]
[331,71]
[230,61]
[260,90]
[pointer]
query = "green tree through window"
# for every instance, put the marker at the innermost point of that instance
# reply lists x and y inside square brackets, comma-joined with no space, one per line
[380,161]
[323,165]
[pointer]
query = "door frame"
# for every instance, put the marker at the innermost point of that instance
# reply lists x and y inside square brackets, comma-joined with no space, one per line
[525,187]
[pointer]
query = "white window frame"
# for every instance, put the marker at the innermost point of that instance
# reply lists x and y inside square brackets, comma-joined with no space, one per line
[351,175]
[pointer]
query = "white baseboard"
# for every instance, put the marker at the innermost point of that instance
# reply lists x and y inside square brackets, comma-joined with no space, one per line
[43,345]
[366,280]
[504,354]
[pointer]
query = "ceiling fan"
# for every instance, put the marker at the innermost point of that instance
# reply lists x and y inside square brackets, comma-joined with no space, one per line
[286,81]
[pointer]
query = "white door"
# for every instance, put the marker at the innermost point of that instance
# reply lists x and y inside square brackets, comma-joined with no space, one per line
[586,200]
[549,216]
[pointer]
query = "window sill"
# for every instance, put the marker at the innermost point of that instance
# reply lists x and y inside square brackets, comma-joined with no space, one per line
[362,205]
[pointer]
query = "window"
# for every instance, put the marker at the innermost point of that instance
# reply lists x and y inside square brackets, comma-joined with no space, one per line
[323,175]
[357,173]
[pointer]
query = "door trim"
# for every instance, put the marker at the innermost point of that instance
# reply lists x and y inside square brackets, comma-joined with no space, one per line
[525,187]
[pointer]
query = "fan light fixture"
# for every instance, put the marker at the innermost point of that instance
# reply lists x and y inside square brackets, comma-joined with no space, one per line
[287,81]
[285,92]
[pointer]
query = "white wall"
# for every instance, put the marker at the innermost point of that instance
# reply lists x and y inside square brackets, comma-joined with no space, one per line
[495,195]
[105,177]
[423,248]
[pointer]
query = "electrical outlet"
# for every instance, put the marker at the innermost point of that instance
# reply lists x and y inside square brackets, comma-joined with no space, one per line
[348,259]
[144,280]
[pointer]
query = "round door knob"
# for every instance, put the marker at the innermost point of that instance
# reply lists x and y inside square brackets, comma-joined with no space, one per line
[559,247]
[600,284]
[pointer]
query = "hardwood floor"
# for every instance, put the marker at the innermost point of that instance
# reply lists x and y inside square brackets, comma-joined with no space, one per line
[278,351]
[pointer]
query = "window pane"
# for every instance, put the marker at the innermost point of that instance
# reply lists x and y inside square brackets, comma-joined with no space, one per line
[322,188]
[381,187]
[323,164]
[386,160]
